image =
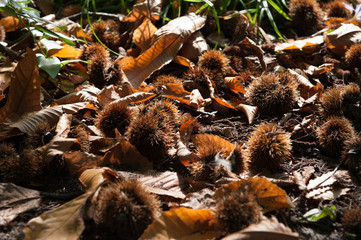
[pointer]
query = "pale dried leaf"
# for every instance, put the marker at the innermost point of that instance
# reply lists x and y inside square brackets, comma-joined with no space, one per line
[313,70]
[92,178]
[64,222]
[49,115]
[166,43]
[267,229]
[24,94]
[63,127]
[86,94]
[302,44]
[249,110]
[15,200]
[182,223]
[194,46]
[142,9]
[249,44]
[167,181]
[342,38]
[57,146]
[137,97]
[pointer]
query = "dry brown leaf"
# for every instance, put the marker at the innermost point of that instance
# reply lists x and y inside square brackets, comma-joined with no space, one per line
[267,229]
[125,154]
[66,51]
[182,223]
[24,94]
[306,88]
[196,100]
[327,186]
[142,9]
[142,36]
[234,85]
[186,129]
[91,179]
[184,155]
[63,126]
[176,90]
[6,70]
[137,97]
[167,181]
[64,222]
[15,200]
[11,23]
[85,94]
[249,110]
[183,61]
[342,38]
[249,44]
[49,115]
[313,70]
[77,162]
[267,194]
[301,44]
[194,46]
[107,95]
[165,45]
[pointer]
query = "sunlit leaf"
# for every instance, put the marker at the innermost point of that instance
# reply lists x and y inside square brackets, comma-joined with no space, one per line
[182,223]
[11,23]
[66,51]
[302,44]
[342,38]
[166,43]
[142,36]
[267,194]
[141,9]
[51,65]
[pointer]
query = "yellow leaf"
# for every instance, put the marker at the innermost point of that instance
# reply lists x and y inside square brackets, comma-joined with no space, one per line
[234,85]
[267,194]
[24,94]
[183,223]
[66,52]
[302,44]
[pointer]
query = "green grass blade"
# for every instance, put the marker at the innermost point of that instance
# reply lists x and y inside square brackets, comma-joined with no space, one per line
[278,9]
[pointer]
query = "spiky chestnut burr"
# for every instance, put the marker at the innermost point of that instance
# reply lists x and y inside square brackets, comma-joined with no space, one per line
[153,133]
[267,147]
[306,16]
[331,101]
[170,111]
[237,210]
[273,94]
[164,79]
[333,134]
[215,63]
[351,93]
[351,220]
[353,57]
[125,209]
[107,32]
[351,153]
[337,9]
[116,115]
[88,50]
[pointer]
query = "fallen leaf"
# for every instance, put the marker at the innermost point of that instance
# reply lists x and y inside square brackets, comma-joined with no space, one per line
[137,97]
[63,126]
[183,61]
[143,9]
[184,155]
[308,43]
[66,51]
[64,222]
[24,94]
[194,46]
[77,162]
[314,71]
[250,45]
[166,184]
[125,154]
[267,229]
[15,200]
[234,85]
[306,88]
[85,94]
[142,36]
[172,89]
[182,223]
[166,43]
[342,38]
[91,179]
[267,194]
[11,23]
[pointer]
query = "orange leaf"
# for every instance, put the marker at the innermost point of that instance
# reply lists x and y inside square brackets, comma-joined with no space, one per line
[302,44]
[142,36]
[183,61]
[223,103]
[234,85]
[185,130]
[166,43]
[66,52]
[176,90]
[183,223]
[142,9]
[77,162]
[24,94]
[124,153]
[267,194]
[11,24]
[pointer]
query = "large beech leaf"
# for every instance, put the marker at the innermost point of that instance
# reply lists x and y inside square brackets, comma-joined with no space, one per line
[166,43]
[267,229]
[24,94]
[64,222]
[267,194]
[15,200]
[182,223]
[342,38]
